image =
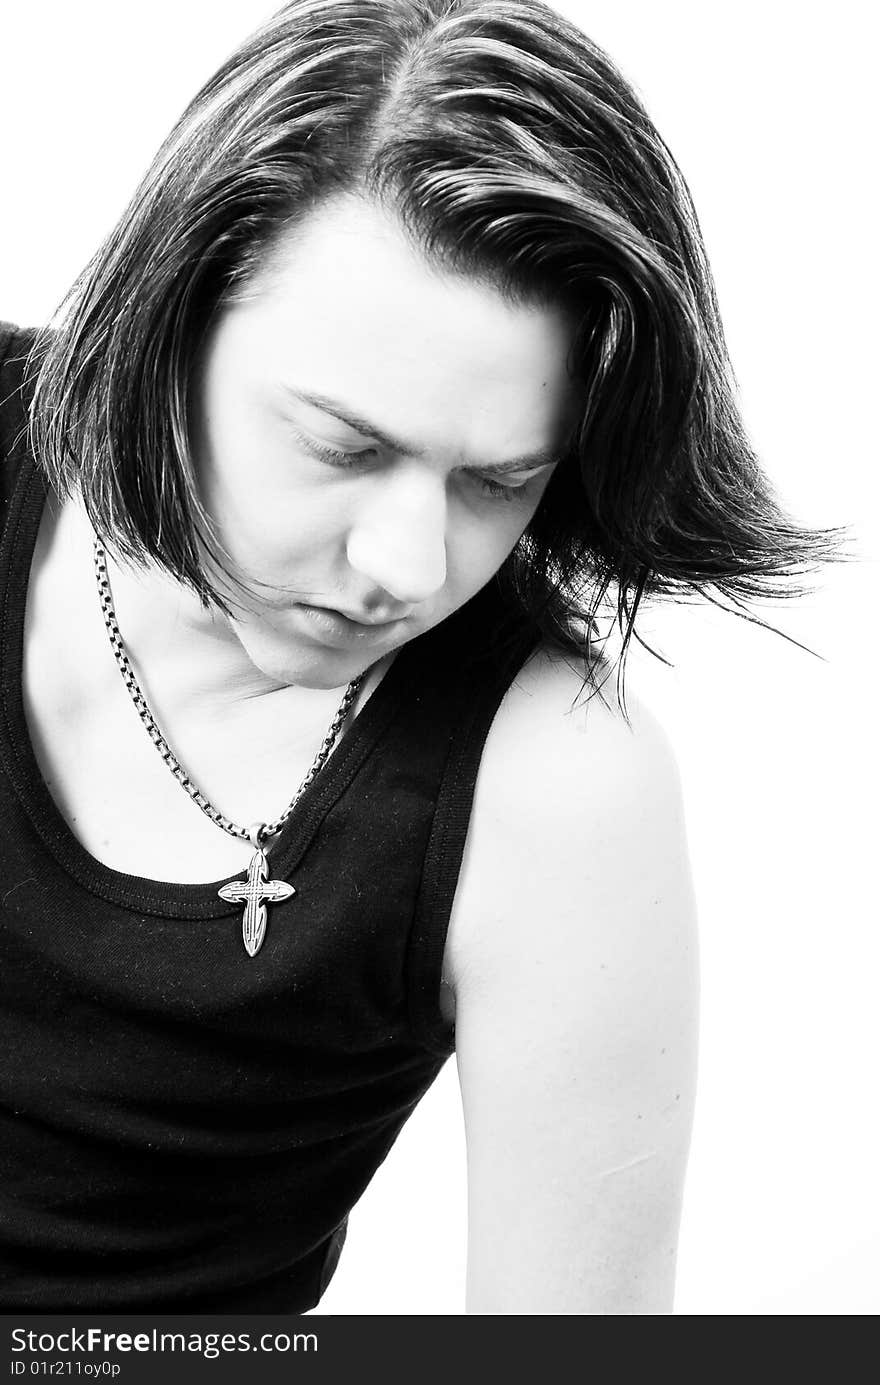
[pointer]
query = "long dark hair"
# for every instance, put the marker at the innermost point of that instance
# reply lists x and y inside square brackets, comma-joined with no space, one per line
[512,150]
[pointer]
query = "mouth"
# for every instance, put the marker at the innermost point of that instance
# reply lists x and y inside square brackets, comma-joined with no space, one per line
[338,630]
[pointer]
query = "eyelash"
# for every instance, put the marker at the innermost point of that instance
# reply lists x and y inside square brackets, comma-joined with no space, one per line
[350,459]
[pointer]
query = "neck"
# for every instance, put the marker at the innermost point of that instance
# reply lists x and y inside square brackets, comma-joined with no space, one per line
[187,659]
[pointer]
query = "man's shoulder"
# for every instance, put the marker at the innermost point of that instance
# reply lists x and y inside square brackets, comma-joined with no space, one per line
[553,726]
[571,798]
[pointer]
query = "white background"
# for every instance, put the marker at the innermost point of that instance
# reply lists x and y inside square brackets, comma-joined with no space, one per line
[765,106]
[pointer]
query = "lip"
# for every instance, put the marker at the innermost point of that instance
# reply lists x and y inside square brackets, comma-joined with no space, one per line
[340,631]
[356,620]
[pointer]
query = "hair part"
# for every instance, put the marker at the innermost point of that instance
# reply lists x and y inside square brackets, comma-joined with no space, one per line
[512,152]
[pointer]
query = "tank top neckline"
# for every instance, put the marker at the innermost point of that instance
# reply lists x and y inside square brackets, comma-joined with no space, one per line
[151,896]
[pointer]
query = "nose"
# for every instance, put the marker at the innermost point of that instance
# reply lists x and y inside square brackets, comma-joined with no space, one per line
[398,539]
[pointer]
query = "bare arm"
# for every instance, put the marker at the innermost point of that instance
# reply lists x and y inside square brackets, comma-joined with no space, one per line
[573,957]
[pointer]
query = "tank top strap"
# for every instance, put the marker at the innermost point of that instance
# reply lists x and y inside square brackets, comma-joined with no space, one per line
[496,642]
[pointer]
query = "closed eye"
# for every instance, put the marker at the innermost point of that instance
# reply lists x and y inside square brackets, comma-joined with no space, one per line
[330,454]
[499,490]
[513,480]
[508,490]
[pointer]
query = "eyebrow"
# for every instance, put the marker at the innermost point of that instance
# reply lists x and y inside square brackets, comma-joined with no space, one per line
[543,457]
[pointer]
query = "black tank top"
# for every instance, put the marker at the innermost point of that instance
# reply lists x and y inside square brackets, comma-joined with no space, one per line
[183,1128]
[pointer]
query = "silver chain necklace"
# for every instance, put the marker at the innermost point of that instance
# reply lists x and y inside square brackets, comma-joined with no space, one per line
[257,890]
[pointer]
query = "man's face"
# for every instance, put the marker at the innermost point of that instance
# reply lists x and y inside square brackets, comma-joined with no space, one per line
[353,412]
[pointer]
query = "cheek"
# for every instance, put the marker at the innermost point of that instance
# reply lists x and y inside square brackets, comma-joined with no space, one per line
[242,461]
[480,541]
[262,498]
[286,538]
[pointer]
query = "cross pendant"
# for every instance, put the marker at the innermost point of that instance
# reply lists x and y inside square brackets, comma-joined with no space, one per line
[254,893]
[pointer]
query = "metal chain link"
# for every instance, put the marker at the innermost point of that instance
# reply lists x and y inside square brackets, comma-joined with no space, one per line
[256,833]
